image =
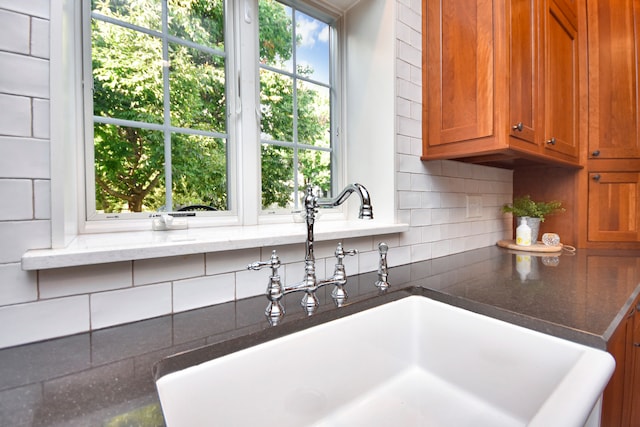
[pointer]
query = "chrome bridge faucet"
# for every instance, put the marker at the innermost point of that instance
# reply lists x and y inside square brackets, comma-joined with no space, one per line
[310,284]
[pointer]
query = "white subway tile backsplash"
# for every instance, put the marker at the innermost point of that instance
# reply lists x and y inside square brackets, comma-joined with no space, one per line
[170,268]
[23,323]
[16,285]
[15,119]
[129,305]
[286,253]
[23,157]
[85,279]
[250,283]
[403,181]
[30,7]
[368,261]
[40,37]
[403,144]
[42,199]
[430,200]
[410,17]
[420,182]
[41,118]
[431,233]
[14,32]
[203,291]
[403,69]
[20,194]
[422,252]
[24,75]
[21,236]
[403,107]
[225,262]
[420,217]
[413,56]
[408,163]
[409,200]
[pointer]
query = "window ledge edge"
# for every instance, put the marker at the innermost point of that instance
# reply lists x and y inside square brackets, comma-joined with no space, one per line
[104,248]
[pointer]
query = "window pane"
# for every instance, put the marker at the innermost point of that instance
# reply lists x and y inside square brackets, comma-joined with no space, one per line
[129,170]
[276,35]
[295,104]
[197,89]
[143,13]
[277,177]
[314,114]
[315,168]
[128,79]
[131,70]
[276,105]
[199,21]
[312,48]
[199,170]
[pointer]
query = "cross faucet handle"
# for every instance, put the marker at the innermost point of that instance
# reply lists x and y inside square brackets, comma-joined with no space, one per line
[274,263]
[275,290]
[341,253]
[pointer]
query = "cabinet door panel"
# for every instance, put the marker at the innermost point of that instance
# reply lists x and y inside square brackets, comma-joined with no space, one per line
[523,65]
[460,70]
[561,97]
[614,202]
[613,80]
[634,401]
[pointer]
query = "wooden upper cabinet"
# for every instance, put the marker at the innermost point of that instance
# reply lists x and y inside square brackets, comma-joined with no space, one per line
[460,57]
[561,94]
[489,69]
[614,200]
[614,127]
[523,67]
[569,8]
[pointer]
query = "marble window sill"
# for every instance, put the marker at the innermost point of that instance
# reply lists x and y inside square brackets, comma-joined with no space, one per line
[127,246]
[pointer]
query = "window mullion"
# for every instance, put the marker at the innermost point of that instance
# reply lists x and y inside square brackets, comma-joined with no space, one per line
[167,109]
[248,123]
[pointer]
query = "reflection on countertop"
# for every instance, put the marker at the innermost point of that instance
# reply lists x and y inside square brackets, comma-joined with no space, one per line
[104,378]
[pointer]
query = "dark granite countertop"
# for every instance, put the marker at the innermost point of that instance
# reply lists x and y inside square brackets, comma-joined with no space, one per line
[104,378]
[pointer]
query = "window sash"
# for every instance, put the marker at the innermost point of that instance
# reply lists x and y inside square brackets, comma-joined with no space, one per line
[243,159]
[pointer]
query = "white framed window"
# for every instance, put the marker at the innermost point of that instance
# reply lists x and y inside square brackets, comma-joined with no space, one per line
[367,69]
[298,104]
[169,122]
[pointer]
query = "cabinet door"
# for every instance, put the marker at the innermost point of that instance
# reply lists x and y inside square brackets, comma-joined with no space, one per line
[614,203]
[569,7]
[523,70]
[634,400]
[561,95]
[615,402]
[613,80]
[459,70]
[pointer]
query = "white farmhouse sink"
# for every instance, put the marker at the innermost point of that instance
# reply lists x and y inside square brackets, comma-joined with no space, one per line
[411,362]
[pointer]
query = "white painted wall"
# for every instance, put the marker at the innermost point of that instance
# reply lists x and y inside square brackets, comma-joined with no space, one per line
[384,130]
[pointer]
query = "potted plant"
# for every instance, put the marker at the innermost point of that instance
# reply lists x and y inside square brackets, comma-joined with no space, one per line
[535,212]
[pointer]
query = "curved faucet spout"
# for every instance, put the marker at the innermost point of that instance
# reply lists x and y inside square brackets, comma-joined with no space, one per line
[366,210]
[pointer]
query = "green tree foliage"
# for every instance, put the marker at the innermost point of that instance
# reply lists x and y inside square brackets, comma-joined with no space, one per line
[129,85]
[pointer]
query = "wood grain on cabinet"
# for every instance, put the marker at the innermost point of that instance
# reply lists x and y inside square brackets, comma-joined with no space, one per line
[561,94]
[615,402]
[551,183]
[614,122]
[524,65]
[614,203]
[500,81]
[622,394]
[634,399]
[459,52]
